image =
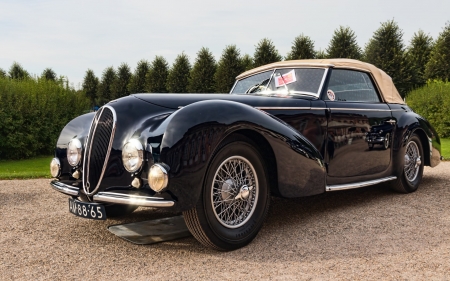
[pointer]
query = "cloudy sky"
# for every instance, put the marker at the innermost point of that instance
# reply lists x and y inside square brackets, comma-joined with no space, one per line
[71,36]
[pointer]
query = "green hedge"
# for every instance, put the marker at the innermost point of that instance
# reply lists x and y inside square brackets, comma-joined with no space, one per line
[33,113]
[432,101]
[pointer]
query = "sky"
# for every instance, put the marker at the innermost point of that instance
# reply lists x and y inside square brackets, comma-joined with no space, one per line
[73,36]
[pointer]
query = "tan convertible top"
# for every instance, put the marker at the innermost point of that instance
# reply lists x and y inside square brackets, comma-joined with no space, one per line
[384,81]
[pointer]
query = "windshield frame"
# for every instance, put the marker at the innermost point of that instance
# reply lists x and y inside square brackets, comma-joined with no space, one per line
[290,93]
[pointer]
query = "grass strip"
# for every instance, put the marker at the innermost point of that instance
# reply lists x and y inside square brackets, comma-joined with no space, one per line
[38,167]
[445,149]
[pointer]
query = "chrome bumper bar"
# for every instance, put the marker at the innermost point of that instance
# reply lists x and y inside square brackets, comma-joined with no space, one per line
[138,200]
[65,188]
[116,198]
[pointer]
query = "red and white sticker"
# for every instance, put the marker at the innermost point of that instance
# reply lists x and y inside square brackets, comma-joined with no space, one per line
[285,79]
[331,95]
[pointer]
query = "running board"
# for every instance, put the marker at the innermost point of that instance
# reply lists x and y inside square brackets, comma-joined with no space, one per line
[358,184]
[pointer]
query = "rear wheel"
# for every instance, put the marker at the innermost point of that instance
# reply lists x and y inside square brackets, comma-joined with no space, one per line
[411,176]
[234,200]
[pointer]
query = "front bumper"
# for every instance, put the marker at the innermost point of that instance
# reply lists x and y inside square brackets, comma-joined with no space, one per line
[116,198]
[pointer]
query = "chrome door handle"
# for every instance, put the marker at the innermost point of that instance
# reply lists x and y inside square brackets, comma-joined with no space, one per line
[392,122]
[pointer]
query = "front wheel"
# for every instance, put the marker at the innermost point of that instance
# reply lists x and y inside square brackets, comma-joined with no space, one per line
[411,176]
[234,200]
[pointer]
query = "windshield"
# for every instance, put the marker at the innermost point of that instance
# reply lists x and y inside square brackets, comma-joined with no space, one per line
[282,82]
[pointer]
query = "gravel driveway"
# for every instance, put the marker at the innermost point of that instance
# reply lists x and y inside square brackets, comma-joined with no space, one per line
[368,233]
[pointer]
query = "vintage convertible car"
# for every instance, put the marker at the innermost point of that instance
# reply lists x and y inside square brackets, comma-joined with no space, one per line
[288,129]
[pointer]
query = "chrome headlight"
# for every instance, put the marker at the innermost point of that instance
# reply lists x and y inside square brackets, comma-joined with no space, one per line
[158,178]
[55,167]
[74,152]
[132,155]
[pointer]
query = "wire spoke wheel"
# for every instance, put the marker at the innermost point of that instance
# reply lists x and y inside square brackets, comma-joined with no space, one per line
[412,161]
[234,192]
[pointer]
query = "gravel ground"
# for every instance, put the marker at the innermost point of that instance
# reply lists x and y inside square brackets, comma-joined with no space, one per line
[369,233]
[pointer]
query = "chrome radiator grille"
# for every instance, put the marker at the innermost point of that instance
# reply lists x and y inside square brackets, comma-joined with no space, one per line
[98,148]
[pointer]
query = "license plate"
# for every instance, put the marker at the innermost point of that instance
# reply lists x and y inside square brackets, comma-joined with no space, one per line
[93,211]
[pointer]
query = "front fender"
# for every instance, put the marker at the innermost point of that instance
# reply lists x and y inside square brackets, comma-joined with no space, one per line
[194,132]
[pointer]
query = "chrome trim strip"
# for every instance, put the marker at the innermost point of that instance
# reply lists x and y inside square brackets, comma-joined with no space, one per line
[287,108]
[65,188]
[358,109]
[144,201]
[108,153]
[358,184]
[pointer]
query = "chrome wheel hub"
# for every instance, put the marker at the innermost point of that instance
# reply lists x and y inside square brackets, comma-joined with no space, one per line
[412,161]
[234,192]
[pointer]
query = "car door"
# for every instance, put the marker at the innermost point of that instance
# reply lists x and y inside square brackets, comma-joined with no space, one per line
[359,129]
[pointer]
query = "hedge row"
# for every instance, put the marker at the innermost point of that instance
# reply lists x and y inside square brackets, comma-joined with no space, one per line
[432,101]
[33,113]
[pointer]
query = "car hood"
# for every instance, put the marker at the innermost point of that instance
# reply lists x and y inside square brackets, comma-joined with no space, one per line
[175,101]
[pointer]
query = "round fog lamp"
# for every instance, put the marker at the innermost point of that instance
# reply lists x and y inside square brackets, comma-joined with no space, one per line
[55,167]
[74,152]
[157,178]
[132,155]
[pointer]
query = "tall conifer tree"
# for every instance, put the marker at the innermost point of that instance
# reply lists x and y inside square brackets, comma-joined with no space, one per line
[418,55]
[49,74]
[137,83]
[122,81]
[343,44]
[229,66]
[17,72]
[178,78]
[265,53]
[302,48]
[202,74]
[157,76]
[438,66]
[90,86]
[387,51]
[106,90]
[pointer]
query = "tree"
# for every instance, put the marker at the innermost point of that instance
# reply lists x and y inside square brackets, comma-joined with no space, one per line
[178,78]
[202,74]
[438,67]
[2,73]
[106,89]
[265,53]
[122,81]
[418,55]
[247,62]
[386,51]
[17,72]
[343,44]
[321,54]
[302,48]
[157,76]
[137,83]
[90,85]
[228,67]
[49,74]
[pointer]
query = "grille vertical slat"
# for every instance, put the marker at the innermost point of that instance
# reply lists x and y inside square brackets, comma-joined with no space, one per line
[98,148]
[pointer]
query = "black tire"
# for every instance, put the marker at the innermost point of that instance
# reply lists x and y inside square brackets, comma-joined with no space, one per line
[386,142]
[412,170]
[371,146]
[245,214]
[118,210]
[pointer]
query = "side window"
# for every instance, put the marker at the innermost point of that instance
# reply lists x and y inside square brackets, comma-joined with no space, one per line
[351,85]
